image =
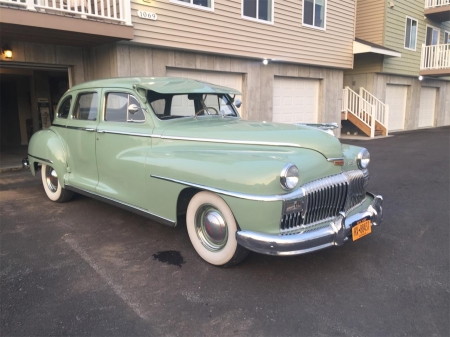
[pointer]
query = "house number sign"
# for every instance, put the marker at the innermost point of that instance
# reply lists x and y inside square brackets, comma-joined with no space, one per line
[147,15]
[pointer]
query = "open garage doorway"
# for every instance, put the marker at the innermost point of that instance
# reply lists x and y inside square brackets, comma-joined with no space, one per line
[28,99]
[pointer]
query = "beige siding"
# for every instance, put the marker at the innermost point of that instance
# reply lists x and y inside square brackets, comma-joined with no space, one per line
[225,32]
[409,63]
[370,20]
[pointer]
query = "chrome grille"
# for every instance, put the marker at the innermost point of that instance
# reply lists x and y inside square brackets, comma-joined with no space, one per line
[323,199]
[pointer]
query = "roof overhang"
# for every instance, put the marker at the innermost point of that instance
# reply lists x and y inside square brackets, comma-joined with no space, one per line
[361,48]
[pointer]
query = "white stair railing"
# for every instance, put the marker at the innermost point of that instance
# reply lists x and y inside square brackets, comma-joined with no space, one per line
[381,109]
[359,107]
[108,10]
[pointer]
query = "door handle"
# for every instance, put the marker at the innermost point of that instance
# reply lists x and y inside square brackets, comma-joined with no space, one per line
[101,131]
[89,130]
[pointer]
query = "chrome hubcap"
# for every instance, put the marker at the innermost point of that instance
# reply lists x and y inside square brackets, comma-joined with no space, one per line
[51,179]
[211,228]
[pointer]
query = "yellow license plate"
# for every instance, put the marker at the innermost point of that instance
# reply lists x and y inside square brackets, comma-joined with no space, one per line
[361,229]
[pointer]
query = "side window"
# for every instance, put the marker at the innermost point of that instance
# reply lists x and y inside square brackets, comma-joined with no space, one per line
[64,108]
[410,33]
[122,107]
[314,13]
[136,114]
[86,107]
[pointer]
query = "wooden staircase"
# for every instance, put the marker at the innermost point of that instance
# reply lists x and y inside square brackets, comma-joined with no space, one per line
[365,111]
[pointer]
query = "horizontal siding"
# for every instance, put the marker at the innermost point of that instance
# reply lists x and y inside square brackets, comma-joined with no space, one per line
[370,20]
[409,63]
[225,32]
[366,63]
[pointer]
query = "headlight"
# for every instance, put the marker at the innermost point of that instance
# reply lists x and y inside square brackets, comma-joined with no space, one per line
[363,159]
[289,177]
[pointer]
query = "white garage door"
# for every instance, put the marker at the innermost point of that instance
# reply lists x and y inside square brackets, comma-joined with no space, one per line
[295,100]
[427,107]
[396,99]
[230,80]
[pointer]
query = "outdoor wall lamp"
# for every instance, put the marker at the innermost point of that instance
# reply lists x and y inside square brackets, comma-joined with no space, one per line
[265,62]
[7,51]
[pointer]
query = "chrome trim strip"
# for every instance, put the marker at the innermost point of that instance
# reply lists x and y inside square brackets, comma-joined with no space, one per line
[46,160]
[125,133]
[123,205]
[79,128]
[224,141]
[298,193]
[336,233]
[334,159]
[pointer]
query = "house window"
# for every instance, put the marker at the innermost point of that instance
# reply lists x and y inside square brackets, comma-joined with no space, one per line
[410,33]
[314,13]
[446,37]
[258,9]
[200,4]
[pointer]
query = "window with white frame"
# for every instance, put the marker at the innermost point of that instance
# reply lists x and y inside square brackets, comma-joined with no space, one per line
[314,12]
[411,33]
[258,9]
[202,4]
[446,37]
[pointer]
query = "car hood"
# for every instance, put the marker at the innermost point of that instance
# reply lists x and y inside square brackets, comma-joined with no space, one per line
[237,131]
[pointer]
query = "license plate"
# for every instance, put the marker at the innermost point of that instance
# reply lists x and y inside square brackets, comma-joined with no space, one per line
[361,229]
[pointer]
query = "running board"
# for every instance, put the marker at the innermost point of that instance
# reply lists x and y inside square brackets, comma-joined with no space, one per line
[125,206]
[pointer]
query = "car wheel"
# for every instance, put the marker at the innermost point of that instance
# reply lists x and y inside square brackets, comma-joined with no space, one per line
[212,229]
[52,187]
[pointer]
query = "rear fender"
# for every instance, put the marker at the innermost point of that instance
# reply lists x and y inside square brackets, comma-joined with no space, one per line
[46,147]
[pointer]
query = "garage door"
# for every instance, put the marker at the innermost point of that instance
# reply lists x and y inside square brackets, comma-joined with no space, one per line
[295,100]
[427,106]
[396,99]
[230,80]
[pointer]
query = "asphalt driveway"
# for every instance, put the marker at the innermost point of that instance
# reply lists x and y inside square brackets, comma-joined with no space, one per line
[87,268]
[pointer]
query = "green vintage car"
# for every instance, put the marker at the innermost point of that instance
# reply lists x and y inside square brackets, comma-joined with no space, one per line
[169,148]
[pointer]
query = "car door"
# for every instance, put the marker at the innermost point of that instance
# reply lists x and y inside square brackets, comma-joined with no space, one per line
[123,143]
[80,139]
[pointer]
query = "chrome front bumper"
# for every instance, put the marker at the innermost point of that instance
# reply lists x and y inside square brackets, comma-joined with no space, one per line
[335,234]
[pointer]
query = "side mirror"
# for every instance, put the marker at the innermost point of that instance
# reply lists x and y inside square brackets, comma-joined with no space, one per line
[238,103]
[133,108]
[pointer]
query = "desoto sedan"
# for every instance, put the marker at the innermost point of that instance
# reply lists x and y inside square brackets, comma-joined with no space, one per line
[169,148]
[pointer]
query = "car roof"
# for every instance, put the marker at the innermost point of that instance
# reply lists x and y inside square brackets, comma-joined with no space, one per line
[162,85]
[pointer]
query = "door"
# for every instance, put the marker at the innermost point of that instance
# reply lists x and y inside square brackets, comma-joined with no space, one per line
[80,140]
[295,100]
[396,99]
[427,107]
[432,37]
[123,142]
[231,80]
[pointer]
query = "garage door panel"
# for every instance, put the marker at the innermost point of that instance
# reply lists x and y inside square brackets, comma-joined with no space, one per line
[396,99]
[427,107]
[295,100]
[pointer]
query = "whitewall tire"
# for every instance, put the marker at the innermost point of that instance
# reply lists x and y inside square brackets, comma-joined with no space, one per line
[212,229]
[52,187]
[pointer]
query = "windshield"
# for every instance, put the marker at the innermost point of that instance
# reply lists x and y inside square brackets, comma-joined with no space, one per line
[168,106]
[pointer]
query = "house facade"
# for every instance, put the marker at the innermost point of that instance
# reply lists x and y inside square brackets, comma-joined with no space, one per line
[287,57]
[402,57]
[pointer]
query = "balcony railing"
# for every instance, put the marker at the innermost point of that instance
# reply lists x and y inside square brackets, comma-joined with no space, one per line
[107,10]
[435,57]
[436,3]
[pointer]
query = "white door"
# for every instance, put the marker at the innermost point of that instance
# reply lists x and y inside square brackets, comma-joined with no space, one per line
[396,99]
[231,80]
[427,106]
[295,100]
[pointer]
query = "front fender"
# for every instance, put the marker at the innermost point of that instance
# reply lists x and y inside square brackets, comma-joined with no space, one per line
[46,147]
